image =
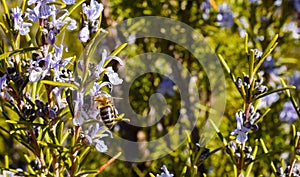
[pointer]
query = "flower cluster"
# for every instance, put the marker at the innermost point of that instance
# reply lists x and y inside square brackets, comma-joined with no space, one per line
[51,19]
[288,113]
[288,172]
[225,16]
[204,153]
[93,134]
[232,148]
[91,22]
[166,86]
[38,84]
[245,85]
[18,21]
[165,172]
[205,7]
[245,125]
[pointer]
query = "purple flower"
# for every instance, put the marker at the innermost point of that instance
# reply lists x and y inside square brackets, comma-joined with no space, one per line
[292,28]
[92,11]
[79,114]
[278,3]
[7,174]
[225,17]
[255,1]
[37,71]
[166,86]
[295,79]
[94,132]
[205,7]
[257,53]
[241,131]
[112,76]
[97,87]
[69,2]
[288,113]
[32,15]
[165,172]
[242,32]
[61,102]
[3,87]
[51,37]
[61,75]
[41,10]
[19,24]
[84,34]
[100,145]
[268,100]
[131,39]
[57,23]
[297,5]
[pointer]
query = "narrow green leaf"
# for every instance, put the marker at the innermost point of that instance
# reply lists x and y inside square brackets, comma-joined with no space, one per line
[266,152]
[83,156]
[33,93]
[294,131]
[6,161]
[251,65]
[267,51]
[263,146]
[293,100]
[85,172]
[250,166]
[74,7]
[4,28]
[263,58]
[287,60]
[151,175]
[24,3]
[11,121]
[42,143]
[218,132]
[119,49]
[271,45]
[223,62]
[183,172]
[6,11]
[274,91]
[60,131]
[284,85]
[263,116]
[246,43]
[59,84]
[17,51]
[65,137]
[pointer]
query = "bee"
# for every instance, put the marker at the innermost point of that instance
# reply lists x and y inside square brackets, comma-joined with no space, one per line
[107,110]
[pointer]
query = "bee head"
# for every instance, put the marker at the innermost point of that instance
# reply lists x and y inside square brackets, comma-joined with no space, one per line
[103,99]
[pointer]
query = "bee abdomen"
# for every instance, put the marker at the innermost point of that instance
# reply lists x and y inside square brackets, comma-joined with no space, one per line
[108,115]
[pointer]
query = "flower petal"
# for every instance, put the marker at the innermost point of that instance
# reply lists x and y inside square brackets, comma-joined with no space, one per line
[100,145]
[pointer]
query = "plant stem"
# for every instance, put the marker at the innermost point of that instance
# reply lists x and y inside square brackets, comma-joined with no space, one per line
[55,163]
[291,167]
[37,153]
[75,151]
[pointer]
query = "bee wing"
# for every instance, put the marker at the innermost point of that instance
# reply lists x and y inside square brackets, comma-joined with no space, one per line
[117,98]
